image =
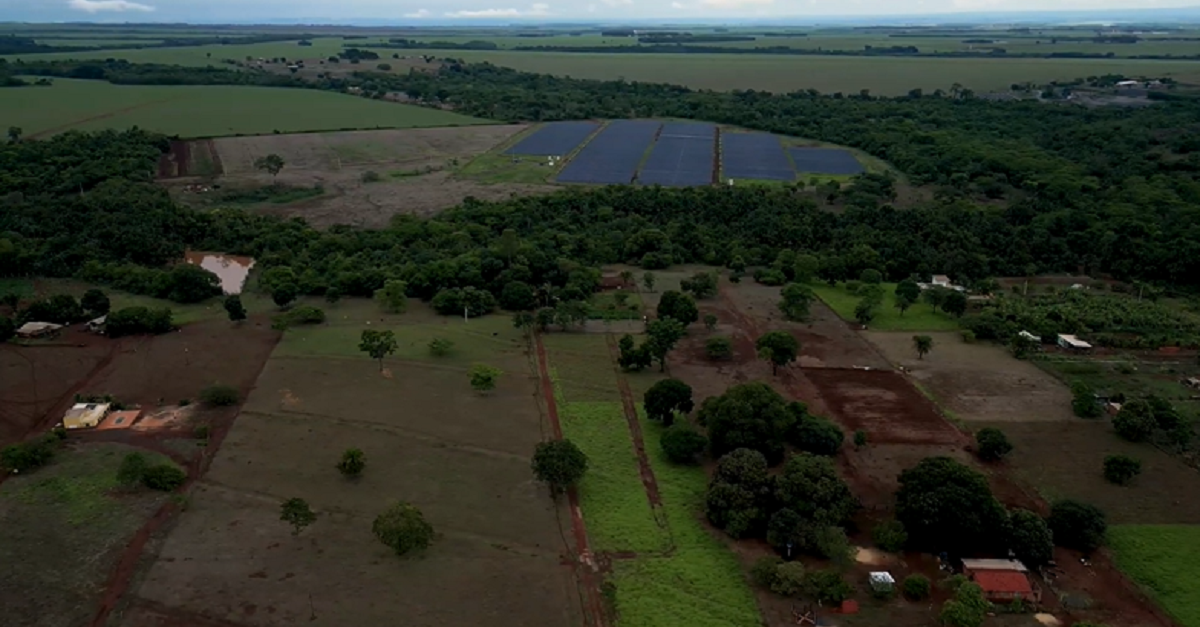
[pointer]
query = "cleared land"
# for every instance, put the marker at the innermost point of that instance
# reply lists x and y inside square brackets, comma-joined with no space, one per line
[979,382]
[1163,560]
[206,111]
[461,457]
[920,317]
[65,526]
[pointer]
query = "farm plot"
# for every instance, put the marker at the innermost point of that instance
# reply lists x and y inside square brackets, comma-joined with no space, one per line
[883,404]
[979,382]
[920,317]
[461,457]
[1163,560]
[370,176]
[65,526]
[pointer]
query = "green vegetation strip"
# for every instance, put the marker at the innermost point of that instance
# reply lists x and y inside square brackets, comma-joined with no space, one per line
[701,583]
[1165,561]
[920,317]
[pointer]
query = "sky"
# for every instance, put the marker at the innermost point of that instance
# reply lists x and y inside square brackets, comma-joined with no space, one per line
[450,11]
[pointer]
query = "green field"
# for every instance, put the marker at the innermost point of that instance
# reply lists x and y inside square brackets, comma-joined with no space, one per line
[206,111]
[1165,561]
[920,317]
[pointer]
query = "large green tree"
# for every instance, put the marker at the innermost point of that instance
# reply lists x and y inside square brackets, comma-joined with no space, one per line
[780,348]
[946,506]
[750,416]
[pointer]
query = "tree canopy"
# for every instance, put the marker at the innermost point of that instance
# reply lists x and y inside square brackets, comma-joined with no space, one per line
[946,506]
[748,416]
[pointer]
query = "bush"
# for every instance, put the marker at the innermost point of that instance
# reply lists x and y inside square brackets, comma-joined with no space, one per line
[1030,538]
[1121,469]
[817,436]
[440,347]
[132,468]
[371,176]
[968,336]
[826,587]
[718,348]
[403,528]
[789,579]
[27,456]
[992,445]
[1083,401]
[1076,525]
[890,536]
[916,587]
[138,320]
[1135,422]
[682,444]
[163,477]
[559,463]
[765,571]
[219,395]
[352,463]
[303,314]
[860,438]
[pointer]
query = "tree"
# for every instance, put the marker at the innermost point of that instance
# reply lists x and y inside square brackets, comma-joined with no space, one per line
[908,290]
[403,528]
[751,416]
[805,268]
[923,344]
[393,296]
[297,513]
[968,608]
[233,307]
[352,463]
[710,322]
[702,285]
[14,134]
[1135,422]
[96,302]
[378,344]
[946,506]
[903,303]
[678,306]
[826,587]
[1077,525]
[916,587]
[682,444]
[778,347]
[1121,469]
[219,395]
[810,486]
[816,435]
[440,347]
[1083,401]
[133,466]
[1031,540]
[666,398]
[890,536]
[627,278]
[559,463]
[484,377]
[864,311]
[718,348]
[648,281]
[662,335]
[284,293]
[332,294]
[991,444]
[739,493]
[164,477]
[271,164]
[8,329]
[871,276]
[796,299]
[518,296]
[955,303]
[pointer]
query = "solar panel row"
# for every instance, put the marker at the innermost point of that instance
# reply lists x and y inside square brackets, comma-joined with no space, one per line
[754,156]
[554,139]
[679,160]
[613,156]
[825,161]
[689,129]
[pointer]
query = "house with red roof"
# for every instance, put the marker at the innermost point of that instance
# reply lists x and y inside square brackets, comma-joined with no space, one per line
[1002,581]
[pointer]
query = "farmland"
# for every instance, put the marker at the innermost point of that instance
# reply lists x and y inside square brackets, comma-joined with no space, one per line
[195,111]
[1162,559]
[920,317]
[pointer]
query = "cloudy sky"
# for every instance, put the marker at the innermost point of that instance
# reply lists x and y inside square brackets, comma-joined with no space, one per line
[440,11]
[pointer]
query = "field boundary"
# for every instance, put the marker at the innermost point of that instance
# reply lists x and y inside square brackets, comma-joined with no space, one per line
[100,116]
[639,442]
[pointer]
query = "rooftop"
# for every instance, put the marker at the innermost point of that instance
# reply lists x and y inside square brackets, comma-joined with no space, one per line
[994,564]
[1003,581]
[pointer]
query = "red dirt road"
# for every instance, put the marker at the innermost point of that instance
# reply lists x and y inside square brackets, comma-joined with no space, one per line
[594,613]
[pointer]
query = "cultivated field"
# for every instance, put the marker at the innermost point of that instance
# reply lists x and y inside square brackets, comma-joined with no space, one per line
[1163,560]
[461,457]
[206,111]
[920,317]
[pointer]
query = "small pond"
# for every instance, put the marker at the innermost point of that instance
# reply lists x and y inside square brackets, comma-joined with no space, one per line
[232,270]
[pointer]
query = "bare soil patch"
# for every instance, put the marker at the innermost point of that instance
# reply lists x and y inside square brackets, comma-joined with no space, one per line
[884,404]
[979,382]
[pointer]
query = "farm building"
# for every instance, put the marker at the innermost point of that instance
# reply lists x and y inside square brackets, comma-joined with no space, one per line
[942,281]
[1192,382]
[1026,335]
[1002,581]
[1072,342]
[120,419]
[37,329]
[881,581]
[85,415]
[97,325]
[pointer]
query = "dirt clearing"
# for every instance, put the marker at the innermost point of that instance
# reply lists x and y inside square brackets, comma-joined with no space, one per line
[979,382]
[883,404]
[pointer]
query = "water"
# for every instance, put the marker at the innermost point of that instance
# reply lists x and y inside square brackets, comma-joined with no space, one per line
[232,270]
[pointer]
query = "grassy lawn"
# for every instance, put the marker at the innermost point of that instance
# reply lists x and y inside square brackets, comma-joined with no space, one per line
[605,305]
[1165,561]
[207,111]
[919,317]
[1130,376]
[212,309]
[20,287]
[501,168]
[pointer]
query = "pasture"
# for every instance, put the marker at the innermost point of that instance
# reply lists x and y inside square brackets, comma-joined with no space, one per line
[1162,559]
[206,111]
[920,317]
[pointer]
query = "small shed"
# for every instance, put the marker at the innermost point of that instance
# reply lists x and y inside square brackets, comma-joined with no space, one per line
[881,581]
[1072,342]
[941,280]
[85,415]
[1030,337]
[38,329]
[1192,382]
[1002,581]
[97,325]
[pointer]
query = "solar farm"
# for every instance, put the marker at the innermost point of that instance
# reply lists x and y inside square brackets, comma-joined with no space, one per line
[674,154]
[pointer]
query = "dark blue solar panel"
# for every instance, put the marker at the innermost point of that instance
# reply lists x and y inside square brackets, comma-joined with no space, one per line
[688,129]
[825,161]
[754,156]
[554,139]
[613,156]
[679,161]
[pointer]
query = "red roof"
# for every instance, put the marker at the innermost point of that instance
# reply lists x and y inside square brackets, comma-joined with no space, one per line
[1002,581]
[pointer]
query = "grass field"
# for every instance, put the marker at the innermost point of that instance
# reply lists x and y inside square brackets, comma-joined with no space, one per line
[207,111]
[1165,561]
[920,317]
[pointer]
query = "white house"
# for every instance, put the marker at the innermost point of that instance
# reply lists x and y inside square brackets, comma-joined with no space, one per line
[1072,343]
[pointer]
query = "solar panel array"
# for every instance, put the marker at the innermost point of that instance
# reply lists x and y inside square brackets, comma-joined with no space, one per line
[683,156]
[755,156]
[613,156]
[555,139]
[825,161]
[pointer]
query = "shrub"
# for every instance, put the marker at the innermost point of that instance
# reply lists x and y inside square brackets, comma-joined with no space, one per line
[440,347]
[1121,469]
[1030,538]
[559,463]
[1135,422]
[968,336]
[26,456]
[403,528]
[890,536]
[789,579]
[163,477]
[718,348]
[1083,401]
[765,571]
[352,463]
[682,444]
[1077,525]
[297,513]
[860,438]
[992,444]
[916,587]
[219,395]
[138,320]
[132,468]
[371,176]
[827,587]
[817,435]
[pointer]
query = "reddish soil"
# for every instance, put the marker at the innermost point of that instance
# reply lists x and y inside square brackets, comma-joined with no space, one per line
[635,433]
[884,404]
[594,610]
[178,162]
